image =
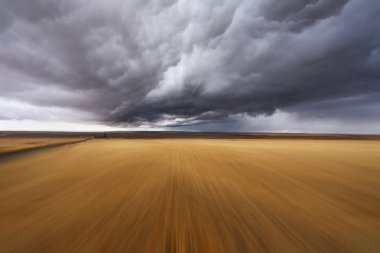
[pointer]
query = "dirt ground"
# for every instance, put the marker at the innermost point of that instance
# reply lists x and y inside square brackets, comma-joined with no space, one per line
[193,195]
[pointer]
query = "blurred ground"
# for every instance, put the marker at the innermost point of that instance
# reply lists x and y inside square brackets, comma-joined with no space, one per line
[193,195]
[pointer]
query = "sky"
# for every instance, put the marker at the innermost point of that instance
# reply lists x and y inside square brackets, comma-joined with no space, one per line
[200,65]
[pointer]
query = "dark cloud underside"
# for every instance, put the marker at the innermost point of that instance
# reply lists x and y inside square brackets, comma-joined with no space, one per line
[182,62]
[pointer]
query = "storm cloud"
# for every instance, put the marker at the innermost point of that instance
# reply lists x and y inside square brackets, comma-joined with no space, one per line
[191,63]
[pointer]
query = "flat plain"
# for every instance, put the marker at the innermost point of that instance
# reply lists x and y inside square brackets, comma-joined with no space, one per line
[193,195]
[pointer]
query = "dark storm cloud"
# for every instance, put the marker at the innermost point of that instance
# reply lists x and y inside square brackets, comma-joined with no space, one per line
[300,13]
[191,62]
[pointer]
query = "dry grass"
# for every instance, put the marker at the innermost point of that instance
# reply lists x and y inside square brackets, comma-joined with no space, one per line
[12,144]
[193,195]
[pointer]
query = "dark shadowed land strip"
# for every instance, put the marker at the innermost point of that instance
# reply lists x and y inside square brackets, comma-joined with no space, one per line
[217,135]
[196,135]
[16,153]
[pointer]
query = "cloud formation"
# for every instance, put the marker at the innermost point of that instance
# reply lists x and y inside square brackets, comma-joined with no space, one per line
[177,63]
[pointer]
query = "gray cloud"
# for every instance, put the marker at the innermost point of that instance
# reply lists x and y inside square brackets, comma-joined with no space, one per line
[179,63]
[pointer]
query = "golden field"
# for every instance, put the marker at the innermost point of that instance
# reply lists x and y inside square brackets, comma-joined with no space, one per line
[193,195]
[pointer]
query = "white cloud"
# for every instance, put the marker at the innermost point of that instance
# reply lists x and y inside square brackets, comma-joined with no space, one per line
[290,122]
[34,125]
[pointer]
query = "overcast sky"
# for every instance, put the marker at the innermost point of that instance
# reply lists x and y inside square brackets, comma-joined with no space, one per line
[213,65]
